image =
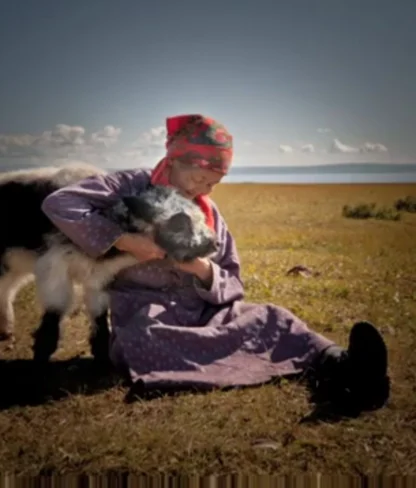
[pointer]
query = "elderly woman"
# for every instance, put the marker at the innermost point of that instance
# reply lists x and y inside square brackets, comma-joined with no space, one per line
[187,325]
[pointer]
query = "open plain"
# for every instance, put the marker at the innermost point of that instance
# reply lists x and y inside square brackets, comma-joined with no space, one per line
[76,421]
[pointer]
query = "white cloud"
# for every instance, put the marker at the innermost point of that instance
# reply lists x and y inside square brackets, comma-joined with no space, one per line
[337,147]
[370,147]
[153,138]
[103,147]
[133,153]
[148,148]
[16,145]
[308,148]
[63,135]
[63,142]
[17,140]
[285,149]
[108,136]
[324,130]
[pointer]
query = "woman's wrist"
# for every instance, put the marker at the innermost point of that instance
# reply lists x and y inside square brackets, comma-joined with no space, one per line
[202,269]
[123,243]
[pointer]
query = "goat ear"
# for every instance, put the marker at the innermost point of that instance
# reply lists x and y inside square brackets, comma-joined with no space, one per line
[180,223]
[131,203]
[138,207]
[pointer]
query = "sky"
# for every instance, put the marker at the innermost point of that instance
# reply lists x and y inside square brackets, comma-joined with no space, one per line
[296,82]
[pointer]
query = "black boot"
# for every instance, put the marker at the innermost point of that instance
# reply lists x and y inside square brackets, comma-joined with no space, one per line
[354,380]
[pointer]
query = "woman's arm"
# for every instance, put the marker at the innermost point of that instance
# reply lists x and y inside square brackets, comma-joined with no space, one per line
[73,209]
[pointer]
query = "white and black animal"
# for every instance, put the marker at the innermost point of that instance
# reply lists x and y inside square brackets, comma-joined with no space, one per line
[32,247]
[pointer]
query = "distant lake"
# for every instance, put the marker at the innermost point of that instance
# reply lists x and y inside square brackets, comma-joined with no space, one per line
[334,173]
[320,174]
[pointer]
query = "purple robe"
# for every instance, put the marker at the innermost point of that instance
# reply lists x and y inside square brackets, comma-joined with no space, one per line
[167,329]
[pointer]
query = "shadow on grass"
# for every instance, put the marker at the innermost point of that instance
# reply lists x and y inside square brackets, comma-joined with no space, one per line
[22,384]
[321,410]
[325,413]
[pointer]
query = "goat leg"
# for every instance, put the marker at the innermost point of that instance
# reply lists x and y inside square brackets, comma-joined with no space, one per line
[46,336]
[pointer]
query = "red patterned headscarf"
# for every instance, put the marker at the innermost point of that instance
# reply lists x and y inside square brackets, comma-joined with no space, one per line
[199,140]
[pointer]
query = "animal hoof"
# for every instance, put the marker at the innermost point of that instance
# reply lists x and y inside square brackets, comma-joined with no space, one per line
[103,364]
[100,348]
[41,356]
[40,359]
[6,336]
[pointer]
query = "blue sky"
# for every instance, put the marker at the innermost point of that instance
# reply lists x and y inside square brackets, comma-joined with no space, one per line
[296,82]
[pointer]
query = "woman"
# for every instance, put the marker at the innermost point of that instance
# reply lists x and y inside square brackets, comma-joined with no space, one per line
[187,324]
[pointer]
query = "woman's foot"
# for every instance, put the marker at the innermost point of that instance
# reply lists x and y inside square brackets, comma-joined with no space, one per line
[354,380]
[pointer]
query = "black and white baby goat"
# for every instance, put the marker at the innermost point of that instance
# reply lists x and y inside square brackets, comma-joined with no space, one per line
[31,246]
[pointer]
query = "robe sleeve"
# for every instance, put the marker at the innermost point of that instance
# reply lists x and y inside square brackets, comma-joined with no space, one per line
[74,208]
[227,285]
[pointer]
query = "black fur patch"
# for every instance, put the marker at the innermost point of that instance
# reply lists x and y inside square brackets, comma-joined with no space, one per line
[22,222]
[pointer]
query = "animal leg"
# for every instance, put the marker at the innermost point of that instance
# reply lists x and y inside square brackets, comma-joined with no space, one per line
[47,336]
[55,292]
[97,307]
[11,281]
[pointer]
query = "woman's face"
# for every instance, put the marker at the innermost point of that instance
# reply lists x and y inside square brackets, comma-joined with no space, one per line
[192,181]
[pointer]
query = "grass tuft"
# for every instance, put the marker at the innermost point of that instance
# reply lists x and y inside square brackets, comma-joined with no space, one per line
[407,204]
[370,211]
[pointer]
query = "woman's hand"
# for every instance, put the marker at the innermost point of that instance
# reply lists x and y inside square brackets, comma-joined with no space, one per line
[142,247]
[201,267]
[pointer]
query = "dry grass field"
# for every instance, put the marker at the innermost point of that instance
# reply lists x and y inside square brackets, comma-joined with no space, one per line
[76,421]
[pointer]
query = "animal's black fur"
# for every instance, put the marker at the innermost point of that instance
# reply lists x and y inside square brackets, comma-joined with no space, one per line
[23,224]
[30,243]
